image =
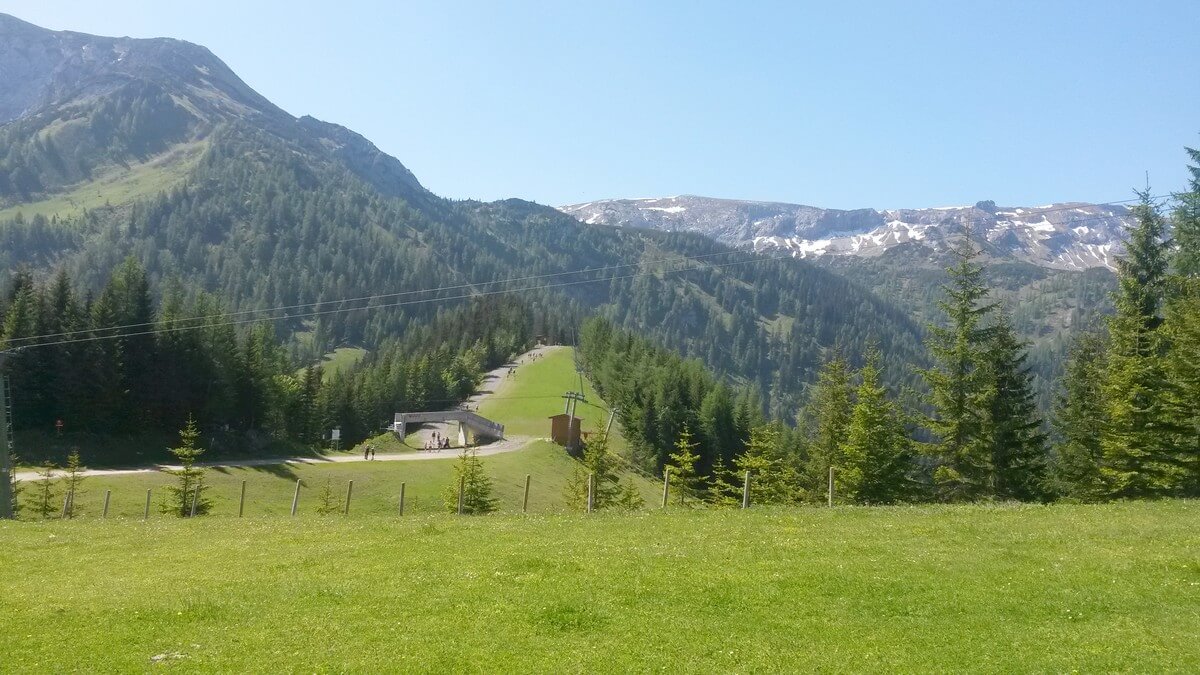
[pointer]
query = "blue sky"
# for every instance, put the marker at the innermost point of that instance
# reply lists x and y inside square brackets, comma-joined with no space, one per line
[839,104]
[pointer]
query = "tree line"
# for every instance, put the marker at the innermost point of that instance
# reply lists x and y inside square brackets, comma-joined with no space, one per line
[125,361]
[1126,423]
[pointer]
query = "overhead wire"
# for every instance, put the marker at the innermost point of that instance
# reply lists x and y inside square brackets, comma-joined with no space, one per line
[205,321]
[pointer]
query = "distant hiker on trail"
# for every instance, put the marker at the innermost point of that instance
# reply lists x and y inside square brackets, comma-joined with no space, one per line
[371,449]
[367,452]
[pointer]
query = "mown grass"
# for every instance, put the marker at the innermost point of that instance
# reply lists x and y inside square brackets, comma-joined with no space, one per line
[930,589]
[269,489]
[525,403]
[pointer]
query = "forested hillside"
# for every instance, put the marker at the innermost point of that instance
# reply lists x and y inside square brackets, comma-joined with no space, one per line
[226,204]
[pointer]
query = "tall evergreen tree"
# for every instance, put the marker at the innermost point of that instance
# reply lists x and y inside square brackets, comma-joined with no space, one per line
[1186,223]
[878,452]
[1013,427]
[828,413]
[1079,419]
[958,383]
[1136,440]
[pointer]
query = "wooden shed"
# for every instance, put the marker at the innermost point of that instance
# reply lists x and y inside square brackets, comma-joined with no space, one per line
[561,434]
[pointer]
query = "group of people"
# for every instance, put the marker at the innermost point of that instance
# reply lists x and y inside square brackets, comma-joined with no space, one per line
[438,442]
[369,452]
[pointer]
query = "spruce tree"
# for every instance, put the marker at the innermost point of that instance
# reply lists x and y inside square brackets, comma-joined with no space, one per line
[773,478]
[477,486]
[958,383]
[1186,223]
[601,465]
[878,452]
[189,484]
[1013,427]
[828,413]
[1079,418]
[73,478]
[46,492]
[685,480]
[1182,328]
[1136,441]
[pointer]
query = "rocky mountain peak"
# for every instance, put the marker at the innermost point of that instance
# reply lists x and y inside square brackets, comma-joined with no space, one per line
[1064,236]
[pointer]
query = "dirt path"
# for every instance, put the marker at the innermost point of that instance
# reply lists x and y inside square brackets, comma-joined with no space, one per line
[487,388]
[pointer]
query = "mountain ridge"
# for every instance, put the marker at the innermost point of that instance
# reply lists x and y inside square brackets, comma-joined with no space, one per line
[1067,235]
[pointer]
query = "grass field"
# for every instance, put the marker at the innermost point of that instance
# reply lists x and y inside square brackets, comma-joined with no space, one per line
[269,489]
[525,403]
[930,589]
[338,360]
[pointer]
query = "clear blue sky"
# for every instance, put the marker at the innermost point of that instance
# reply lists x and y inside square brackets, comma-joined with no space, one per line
[840,104]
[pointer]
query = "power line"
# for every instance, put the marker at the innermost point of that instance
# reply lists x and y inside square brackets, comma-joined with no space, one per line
[380,296]
[179,329]
[31,341]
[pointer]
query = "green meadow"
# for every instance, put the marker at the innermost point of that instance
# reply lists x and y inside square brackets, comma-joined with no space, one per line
[931,589]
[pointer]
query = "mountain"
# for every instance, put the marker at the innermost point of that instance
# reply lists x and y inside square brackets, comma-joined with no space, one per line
[154,149]
[78,108]
[1072,236]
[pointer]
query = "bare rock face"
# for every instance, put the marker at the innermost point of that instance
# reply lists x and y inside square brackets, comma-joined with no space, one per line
[41,69]
[1062,236]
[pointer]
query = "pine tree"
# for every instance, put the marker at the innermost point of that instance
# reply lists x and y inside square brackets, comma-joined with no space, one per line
[1079,418]
[328,502]
[685,480]
[189,484]
[1013,427]
[1186,223]
[958,383]
[1182,328]
[1136,441]
[477,486]
[828,413]
[73,478]
[773,478]
[46,489]
[878,451]
[601,465]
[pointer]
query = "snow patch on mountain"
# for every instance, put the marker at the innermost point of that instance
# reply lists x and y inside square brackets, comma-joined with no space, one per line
[1066,236]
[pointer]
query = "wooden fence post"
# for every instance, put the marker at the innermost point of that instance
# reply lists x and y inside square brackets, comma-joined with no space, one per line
[402,499]
[666,484]
[296,497]
[107,496]
[525,499]
[462,484]
[66,504]
[349,492]
[746,492]
[591,499]
[146,513]
[831,486]
[242,500]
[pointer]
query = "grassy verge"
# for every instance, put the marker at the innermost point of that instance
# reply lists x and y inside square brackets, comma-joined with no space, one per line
[269,489]
[949,589]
